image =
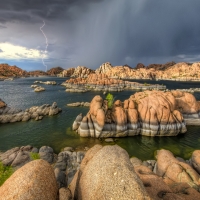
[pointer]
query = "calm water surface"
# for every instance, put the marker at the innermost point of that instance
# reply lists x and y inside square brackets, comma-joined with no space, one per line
[56,131]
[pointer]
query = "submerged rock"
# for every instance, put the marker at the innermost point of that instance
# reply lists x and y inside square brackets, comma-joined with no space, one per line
[39,89]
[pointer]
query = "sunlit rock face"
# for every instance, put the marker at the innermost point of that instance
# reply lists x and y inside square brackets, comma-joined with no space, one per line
[150,113]
[171,70]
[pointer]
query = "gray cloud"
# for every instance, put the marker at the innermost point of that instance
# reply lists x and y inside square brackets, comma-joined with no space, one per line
[2,26]
[1,50]
[95,31]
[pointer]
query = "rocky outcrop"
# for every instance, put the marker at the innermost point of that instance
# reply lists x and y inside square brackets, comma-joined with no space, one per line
[195,160]
[67,164]
[101,82]
[77,104]
[39,89]
[68,72]
[82,72]
[2,104]
[55,71]
[158,189]
[168,71]
[112,177]
[79,71]
[174,171]
[11,71]
[46,82]
[34,86]
[19,156]
[103,172]
[9,115]
[104,68]
[37,73]
[35,180]
[65,194]
[150,113]
[16,157]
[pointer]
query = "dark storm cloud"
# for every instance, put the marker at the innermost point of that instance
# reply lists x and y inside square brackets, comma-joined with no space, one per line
[90,32]
[33,10]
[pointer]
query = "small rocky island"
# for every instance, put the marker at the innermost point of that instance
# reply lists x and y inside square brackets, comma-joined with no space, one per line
[150,113]
[9,115]
[101,82]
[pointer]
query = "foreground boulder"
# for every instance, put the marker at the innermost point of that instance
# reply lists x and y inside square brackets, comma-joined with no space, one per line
[174,171]
[35,180]
[159,190]
[196,160]
[150,113]
[107,173]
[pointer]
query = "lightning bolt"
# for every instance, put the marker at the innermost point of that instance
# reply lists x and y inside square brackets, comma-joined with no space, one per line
[46,44]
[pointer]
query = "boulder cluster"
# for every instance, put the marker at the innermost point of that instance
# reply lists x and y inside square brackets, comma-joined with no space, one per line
[79,71]
[9,115]
[150,113]
[103,173]
[101,82]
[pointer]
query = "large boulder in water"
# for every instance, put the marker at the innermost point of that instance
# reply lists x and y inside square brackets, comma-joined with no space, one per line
[150,113]
[107,173]
[35,180]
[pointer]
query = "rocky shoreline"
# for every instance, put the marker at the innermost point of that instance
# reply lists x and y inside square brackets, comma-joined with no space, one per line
[70,174]
[10,115]
[101,82]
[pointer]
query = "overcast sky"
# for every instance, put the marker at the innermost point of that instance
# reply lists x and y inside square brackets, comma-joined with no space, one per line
[91,32]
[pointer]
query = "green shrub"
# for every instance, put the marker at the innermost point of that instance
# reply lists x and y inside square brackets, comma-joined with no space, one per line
[5,173]
[34,156]
[110,99]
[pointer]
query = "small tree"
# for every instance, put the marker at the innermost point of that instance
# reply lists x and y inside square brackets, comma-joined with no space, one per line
[110,99]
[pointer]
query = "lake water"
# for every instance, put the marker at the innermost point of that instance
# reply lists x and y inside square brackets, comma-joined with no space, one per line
[55,131]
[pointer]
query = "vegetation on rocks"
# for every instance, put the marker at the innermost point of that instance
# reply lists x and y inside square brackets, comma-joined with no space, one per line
[34,156]
[5,173]
[110,99]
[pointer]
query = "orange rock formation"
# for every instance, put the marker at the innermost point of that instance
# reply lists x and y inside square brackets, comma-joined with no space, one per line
[150,113]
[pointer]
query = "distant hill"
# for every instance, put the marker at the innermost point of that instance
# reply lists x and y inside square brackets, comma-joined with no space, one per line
[7,71]
[167,71]
[37,73]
